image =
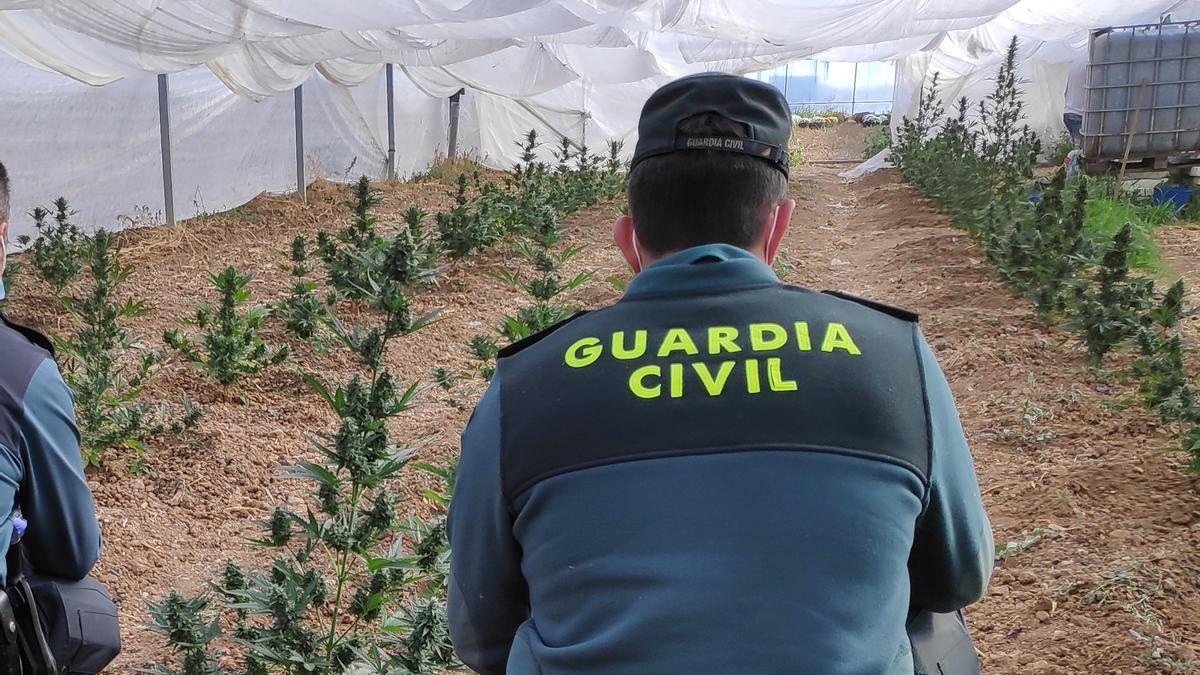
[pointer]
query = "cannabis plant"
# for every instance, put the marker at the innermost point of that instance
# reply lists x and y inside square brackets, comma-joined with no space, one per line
[229,346]
[1046,247]
[353,255]
[544,288]
[190,626]
[301,312]
[1007,143]
[463,230]
[484,349]
[1165,385]
[12,273]
[106,383]
[351,586]
[613,179]
[878,139]
[1110,306]
[966,164]
[56,253]
[412,254]
[910,145]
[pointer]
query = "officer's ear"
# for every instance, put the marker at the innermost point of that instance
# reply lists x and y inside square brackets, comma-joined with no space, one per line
[778,220]
[625,238]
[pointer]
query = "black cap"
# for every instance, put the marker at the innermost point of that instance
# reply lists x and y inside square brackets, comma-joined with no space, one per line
[758,105]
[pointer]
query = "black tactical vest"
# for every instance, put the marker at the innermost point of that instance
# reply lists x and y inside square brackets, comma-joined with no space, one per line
[771,368]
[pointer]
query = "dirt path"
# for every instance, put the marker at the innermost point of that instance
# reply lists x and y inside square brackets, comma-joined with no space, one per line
[1112,529]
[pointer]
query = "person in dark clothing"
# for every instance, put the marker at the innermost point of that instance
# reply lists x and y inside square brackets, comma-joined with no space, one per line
[41,473]
[1075,98]
[720,473]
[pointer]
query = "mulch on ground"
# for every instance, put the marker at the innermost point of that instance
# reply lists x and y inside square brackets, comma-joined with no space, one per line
[1105,577]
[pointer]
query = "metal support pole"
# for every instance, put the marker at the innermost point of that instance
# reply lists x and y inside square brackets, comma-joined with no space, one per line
[854,91]
[301,184]
[164,139]
[391,122]
[453,145]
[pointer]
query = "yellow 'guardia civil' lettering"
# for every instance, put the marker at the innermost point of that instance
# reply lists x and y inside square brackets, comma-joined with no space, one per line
[648,381]
[759,337]
[637,382]
[623,353]
[677,379]
[722,338]
[767,337]
[714,384]
[676,340]
[837,337]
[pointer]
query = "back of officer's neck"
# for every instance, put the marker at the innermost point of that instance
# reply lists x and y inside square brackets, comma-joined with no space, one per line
[650,257]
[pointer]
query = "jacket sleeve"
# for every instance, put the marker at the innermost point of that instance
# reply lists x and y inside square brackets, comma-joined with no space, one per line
[63,538]
[953,552]
[488,596]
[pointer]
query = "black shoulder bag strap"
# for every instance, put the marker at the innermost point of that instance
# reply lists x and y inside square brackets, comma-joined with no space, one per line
[32,648]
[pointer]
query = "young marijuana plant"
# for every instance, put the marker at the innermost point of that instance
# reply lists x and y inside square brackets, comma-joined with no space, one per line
[56,253]
[544,288]
[878,139]
[910,147]
[463,230]
[12,272]
[351,588]
[1164,382]
[352,256]
[1007,144]
[412,254]
[484,350]
[190,627]
[301,312]
[229,344]
[107,390]
[1109,308]
[1047,247]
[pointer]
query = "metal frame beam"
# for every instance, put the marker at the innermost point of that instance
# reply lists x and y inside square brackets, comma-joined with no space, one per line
[301,183]
[453,144]
[164,139]
[391,125]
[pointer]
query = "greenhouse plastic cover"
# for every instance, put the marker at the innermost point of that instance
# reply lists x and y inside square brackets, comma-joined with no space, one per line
[78,87]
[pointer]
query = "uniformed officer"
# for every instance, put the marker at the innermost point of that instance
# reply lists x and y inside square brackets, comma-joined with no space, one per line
[41,474]
[720,473]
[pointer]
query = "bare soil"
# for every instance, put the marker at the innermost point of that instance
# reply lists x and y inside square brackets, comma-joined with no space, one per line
[1105,577]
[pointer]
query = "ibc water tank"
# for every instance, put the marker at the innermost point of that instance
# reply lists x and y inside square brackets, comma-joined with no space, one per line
[1155,68]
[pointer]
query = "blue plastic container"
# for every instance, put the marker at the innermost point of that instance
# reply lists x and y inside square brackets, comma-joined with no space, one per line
[1178,196]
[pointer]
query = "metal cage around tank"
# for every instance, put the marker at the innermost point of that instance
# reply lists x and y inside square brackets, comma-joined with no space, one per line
[1142,93]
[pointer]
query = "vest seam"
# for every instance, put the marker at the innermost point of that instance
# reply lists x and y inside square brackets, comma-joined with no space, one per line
[501,451]
[916,335]
[714,450]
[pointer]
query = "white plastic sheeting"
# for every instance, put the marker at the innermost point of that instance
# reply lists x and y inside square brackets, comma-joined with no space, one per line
[580,68]
[99,146]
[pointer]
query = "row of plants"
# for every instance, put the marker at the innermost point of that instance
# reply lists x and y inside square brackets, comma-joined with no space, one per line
[223,340]
[100,361]
[352,588]
[1048,241]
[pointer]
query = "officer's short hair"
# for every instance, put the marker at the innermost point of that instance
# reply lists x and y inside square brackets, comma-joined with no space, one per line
[4,198]
[693,197]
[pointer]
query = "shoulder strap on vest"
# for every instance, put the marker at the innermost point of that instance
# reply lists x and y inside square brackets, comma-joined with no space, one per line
[891,310]
[537,337]
[34,336]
